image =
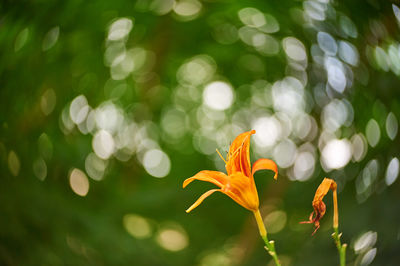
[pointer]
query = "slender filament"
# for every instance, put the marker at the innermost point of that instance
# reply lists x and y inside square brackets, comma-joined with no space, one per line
[221,156]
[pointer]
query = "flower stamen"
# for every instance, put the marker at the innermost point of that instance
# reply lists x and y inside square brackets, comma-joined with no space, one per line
[221,156]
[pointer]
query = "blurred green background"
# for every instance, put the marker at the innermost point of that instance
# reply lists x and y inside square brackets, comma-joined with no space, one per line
[107,106]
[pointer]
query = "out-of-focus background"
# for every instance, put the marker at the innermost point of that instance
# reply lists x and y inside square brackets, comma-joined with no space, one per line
[107,106]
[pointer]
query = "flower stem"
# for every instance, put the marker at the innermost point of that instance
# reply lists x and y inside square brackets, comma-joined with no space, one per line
[269,245]
[335,211]
[341,248]
[336,236]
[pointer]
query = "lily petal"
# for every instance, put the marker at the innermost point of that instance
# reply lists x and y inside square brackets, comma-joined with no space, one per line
[265,164]
[238,199]
[239,155]
[242,190]
[200,200]
[215,177]
[320,207]
[323,189]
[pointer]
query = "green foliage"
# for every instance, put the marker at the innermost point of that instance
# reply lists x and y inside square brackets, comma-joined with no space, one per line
[107,106]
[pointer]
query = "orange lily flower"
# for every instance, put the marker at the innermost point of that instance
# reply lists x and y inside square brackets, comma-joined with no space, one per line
[238,183]
[320,207]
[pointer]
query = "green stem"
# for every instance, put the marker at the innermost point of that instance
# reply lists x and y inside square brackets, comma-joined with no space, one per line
[341,248]
[270,247]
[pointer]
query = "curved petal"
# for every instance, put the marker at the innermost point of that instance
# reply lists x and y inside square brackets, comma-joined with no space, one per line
[319,206]
[242,190]
[265,164]
[215,177]
[323,189]
[316,216]
[239,156]
[200,200]
[236,198]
